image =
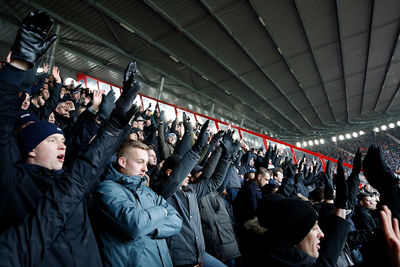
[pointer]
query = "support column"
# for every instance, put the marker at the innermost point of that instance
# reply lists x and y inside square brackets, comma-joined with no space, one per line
[212,110]
[53,48]
[160,89]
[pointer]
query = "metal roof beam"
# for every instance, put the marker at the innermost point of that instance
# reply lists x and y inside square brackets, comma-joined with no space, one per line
[214,57]
[165,50]
[137,58]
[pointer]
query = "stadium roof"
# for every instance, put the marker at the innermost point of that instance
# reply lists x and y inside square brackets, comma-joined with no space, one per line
[292,68]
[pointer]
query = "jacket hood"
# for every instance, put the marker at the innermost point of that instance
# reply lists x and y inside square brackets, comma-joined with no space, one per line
[112,174]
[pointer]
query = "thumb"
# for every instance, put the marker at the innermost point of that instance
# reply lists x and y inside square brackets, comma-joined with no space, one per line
[49,41]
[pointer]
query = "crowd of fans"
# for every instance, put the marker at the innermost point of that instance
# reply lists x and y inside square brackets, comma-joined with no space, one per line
[89,181]
[345,148]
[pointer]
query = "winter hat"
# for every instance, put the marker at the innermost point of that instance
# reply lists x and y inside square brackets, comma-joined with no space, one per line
[139,119]
[23,118]
[171,135]
[287,219]
[76,91]
[33,134]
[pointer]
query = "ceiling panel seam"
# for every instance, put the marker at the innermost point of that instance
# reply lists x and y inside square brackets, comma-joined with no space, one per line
[139,59]
[254,60]
[288,65]
[165,50]
[372,15]
[315,62]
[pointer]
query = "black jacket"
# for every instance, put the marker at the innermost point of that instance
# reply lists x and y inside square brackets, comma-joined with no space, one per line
[22,187]
[363,219]
[277,253]
[219,236]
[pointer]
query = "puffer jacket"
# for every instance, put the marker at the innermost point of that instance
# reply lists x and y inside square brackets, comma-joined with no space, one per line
[135,222]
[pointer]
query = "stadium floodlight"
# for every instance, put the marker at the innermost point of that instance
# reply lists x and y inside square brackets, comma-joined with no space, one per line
[69,81]
[321,141]
[310,143]
[341,137]
[383,127]
[361,132]
[398,123]
[316,142]
[334,139]
[376,129]
[391,125]
[348,136]
[355,134]
[298,144]
[304,144]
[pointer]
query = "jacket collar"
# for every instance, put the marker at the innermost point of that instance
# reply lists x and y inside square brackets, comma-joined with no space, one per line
[133,181]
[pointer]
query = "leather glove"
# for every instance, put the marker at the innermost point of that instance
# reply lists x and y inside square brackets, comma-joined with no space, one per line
[124,109]
[341,187]
[218,135]
[235,150]
[328,189]
[226,144]
[202,138]
[106,106]
[186,123]
[328,169]
[162,117]
[357,163]
[31,41]
[376,171]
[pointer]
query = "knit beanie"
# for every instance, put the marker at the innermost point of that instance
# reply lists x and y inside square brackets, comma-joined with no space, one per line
[25,117]
[171,135]
[287,219]
[33,134]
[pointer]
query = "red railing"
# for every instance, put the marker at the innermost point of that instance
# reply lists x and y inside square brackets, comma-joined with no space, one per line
[83,77]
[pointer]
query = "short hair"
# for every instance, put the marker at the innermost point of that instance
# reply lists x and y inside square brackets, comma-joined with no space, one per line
[263,171]
[362,195]
[276,170]
[248,175]
[127,144]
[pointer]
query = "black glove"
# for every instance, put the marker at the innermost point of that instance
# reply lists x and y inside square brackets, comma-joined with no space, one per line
[162,116]
[31,41]
[226,144]
[328,169]
[156,108]
[376,171]
[235,150]
[130,90]
[328,189]
[124,109]
[186,123]
[341,187]
[106,106]
[218,135]
[357,163]
[202,138]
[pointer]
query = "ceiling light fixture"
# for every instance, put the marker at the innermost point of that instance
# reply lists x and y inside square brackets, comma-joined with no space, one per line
[126,27]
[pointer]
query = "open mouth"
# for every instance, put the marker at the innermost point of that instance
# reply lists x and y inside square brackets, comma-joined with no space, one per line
[61,157]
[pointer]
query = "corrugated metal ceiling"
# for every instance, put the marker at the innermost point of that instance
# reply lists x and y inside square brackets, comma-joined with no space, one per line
[296,68]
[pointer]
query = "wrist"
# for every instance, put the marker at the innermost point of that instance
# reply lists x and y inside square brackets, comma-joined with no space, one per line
[19,64]
[93,110]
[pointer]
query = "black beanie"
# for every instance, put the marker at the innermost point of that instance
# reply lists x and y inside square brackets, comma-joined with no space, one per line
[33,134]
[287,219]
